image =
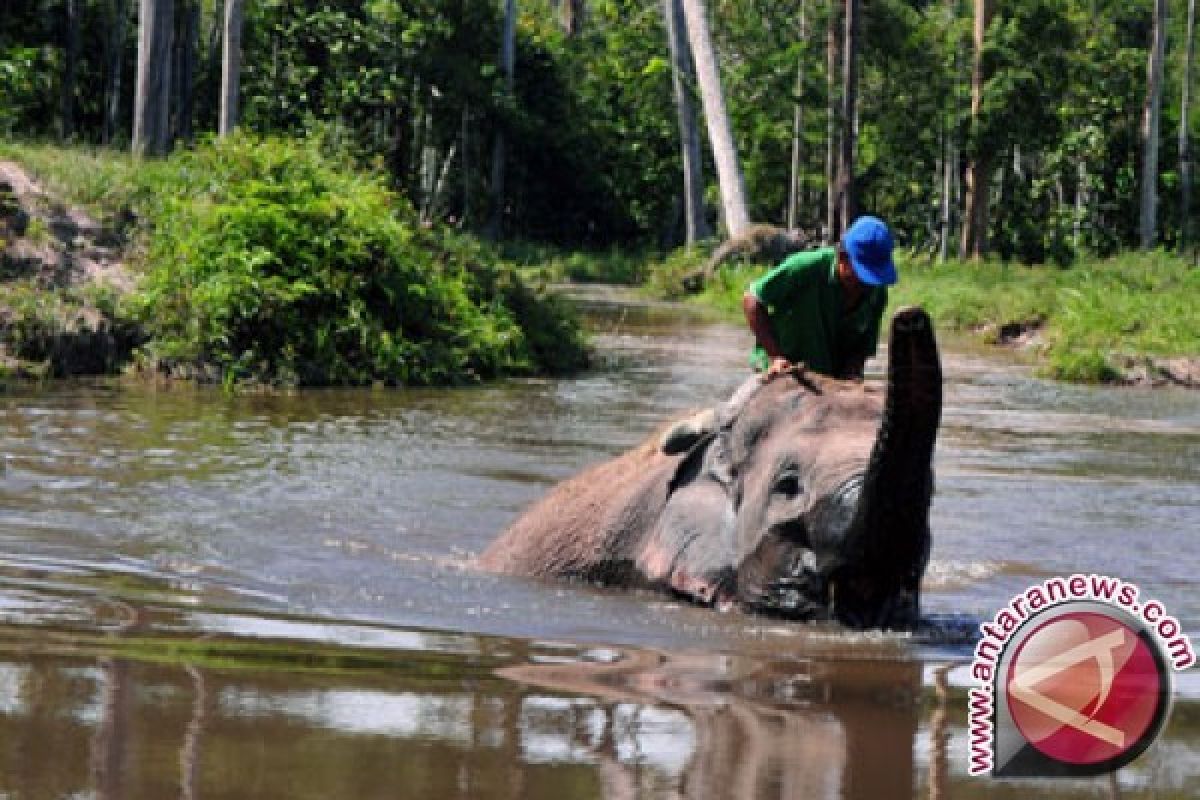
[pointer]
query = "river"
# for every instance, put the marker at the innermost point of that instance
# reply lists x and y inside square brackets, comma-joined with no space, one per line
[266,595]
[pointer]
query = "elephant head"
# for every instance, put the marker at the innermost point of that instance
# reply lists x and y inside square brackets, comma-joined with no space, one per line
[806,497]
[810,498]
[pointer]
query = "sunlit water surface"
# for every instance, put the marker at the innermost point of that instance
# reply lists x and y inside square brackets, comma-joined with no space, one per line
[266,595]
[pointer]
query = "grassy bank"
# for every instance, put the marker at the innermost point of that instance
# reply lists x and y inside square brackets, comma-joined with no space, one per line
[273,261]
[1091,322]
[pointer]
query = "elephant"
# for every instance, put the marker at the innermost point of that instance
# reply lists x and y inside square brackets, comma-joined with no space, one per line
[806,498]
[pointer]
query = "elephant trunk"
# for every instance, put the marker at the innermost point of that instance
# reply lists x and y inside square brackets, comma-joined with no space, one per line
[889,543]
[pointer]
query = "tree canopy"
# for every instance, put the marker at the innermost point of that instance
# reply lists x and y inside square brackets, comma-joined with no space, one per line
[415,90]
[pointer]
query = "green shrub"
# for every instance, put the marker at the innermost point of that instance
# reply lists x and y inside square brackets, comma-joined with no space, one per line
[272,262]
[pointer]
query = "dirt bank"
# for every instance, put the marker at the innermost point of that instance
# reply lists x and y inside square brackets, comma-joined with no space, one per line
[61,274]
[1132,370]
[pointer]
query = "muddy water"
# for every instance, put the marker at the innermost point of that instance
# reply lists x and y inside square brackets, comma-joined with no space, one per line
[265,596]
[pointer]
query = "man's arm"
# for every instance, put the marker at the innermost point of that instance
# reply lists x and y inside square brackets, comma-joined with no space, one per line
[760,325]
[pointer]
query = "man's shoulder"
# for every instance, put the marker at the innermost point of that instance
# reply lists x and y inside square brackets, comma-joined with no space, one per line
[807,266]
[806,260]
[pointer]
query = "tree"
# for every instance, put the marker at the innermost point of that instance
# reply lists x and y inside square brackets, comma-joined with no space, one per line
[720,134]
[114,52]
[847,202]
[508,60]
[187,43]
[1151,112]
[231,66]
[70,68]
[797,124]
[975,216]
[683,76]
[152,97]
[1185,139]
[834,124]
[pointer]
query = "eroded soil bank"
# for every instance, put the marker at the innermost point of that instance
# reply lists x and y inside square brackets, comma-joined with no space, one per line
[61,276]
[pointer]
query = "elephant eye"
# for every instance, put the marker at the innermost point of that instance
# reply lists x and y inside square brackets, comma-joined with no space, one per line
[788,483]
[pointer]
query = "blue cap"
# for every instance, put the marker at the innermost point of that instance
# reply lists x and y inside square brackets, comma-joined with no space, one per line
[868,243]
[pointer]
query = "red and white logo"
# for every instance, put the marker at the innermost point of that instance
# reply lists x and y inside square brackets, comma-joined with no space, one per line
[1074,679]
[1084,687]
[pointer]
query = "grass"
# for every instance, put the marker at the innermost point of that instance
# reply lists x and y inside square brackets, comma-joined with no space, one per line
[1090,318]
[549,264]
[104,182]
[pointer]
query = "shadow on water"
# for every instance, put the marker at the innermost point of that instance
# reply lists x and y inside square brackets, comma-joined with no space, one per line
[263,596]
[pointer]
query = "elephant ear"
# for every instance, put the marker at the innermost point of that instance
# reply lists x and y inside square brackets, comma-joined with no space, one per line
[690,548]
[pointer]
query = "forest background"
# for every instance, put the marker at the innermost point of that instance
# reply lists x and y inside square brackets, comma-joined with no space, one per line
[1034,132]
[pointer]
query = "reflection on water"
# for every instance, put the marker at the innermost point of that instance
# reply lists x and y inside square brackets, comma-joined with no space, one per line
[264,595]
[525,719]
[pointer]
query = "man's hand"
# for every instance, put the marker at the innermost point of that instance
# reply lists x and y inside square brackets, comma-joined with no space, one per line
[779,365]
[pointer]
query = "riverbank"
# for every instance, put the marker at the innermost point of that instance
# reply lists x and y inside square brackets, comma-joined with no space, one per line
[1128,320]
[252,261]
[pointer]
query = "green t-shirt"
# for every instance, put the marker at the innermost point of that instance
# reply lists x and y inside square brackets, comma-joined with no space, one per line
[805,305]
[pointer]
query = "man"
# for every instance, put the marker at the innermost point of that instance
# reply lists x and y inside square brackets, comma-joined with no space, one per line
[821,308]
[818,310]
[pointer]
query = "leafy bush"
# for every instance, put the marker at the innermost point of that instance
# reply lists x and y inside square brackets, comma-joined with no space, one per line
[272,262]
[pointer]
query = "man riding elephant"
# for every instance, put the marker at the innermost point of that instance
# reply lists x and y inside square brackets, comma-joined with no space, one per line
[817,310]
[821,308]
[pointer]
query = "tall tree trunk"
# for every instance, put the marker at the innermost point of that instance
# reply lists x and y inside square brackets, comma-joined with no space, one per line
[946,212]
[70,67]
[508,61]
[1185,138]
[797,125]
[1081,180]
[833,122]
[720,134]
[847,201]
[1148,222]
[151,105]
[465,216]
[683,77]
[185,69]
[571,12]
[231,66]
[114,52]
[975,216]
[950,163]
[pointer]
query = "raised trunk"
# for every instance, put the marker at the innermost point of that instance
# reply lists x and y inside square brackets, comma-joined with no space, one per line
[889,545]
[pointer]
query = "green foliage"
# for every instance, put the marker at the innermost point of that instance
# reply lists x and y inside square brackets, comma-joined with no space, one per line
[412,90]
[271,262]
[547,263]
[665,276]
[1087,317]
[25,75]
